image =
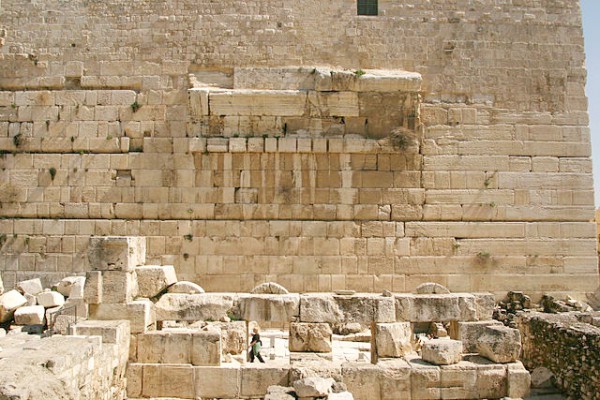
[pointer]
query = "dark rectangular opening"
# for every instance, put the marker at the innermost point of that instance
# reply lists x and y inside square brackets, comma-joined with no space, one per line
[367,7]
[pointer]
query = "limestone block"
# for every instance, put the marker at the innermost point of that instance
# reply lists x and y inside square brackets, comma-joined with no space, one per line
[274,78]
[310,337]
[442,351]
[92,290]
[114,331]
[77,307]
[154,279]
[165,380]
[52,315]
[269,288]
[198,101]
[233,336]
[185,287]
[332,104]
[393,339]
[193,307]
[222,382]
[459,381]
[500,344]
[134,380]
[492,383]
[519,380]
[484,303]
[32,315]
[425,381]
[435,307]
[362,380]
[50,299]
[269,307]
[116,253]
[389,81]
[340,396]
[118,287]
[206,347]
[256,379]
[395,379]
[139,313]
[65,286]
[258,102]
[280,393]
[31,299]
[470,332]
[333,309]
[31,286]
[313,386]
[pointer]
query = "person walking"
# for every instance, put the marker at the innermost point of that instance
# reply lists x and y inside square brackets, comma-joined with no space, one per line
[255,345]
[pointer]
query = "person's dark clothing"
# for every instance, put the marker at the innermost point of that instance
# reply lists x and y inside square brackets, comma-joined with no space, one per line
[255,345]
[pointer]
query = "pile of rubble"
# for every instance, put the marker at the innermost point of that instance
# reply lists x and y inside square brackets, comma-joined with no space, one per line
[310,388]
[513,303]
[32,308]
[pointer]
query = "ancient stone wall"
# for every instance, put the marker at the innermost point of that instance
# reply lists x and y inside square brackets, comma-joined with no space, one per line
[492,192]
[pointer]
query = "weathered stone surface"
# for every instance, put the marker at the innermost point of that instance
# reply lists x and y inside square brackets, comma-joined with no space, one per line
[193,307]
[1,285]
[276,392]
[492,382]
[65,286]
[269,288]
[362,380]
[116,253]
[313,387]
[257,102]
[166,380]
[484,303]
[500,344]
[32,315]
[139,313]
[519,380]
[541,377]
[442,351]
[393,339]
[310,337]
[31,286]
[50,299]
[340,396]
[424,380]
[269,307]
[222,382]
[184,287]
[431,288]
[395,379]
[435,307]
[206,347]
[118,287]
[93,288]
[154,279]
[334,309]
[255,379]
[470,332]
[9,302]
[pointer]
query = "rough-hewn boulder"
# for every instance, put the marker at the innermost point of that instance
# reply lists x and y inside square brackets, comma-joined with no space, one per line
[9,302]
[310,337]
[442,351]
[65,286]
[393,339]
[500,344]
[30,315]
[313,387]
[31,286]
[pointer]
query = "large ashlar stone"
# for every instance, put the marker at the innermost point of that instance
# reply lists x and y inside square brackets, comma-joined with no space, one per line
[394,381]
[9,302]
[436,307]
[492,382]
[289,103]
[459,381]
[118,287]
[313,386]
[194,307]
[269,307]
[424,380]
[31,286]
[115,331]
[206,347]
[139,313]
[154,279]
[500,344]
[442,351]
[334,309]
[310,337]
[362,380]
[256,379]
[32,315]
[222,382]
[379,80]
[470,332]
[274,78]
[116,253]
[484,303]
[234,335]
[168,380]
[92,290]
[180,346]
[393,339]
[185,287]
[50,299]
[519,380]
[269,288]
[66,285]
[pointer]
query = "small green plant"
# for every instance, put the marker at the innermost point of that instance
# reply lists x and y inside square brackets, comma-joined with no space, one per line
[492,204]
[135,106]
[2,239]
[52,172]
[483,255]
[13,105]
[186,256]
[18,140]
[359,72]
[401,138]
[109,137]
[232,316]
[72,139]
[189,237]
[455,246]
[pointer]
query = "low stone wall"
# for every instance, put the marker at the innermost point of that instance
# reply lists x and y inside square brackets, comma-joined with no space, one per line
[568,346]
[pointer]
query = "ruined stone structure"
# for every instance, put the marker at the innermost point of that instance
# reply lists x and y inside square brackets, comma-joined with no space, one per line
[299,143]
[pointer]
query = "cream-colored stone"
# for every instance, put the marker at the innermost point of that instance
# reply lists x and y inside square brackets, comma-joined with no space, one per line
[31,286]
[66,285]
[185,287]
[310,337]
[93,289]
[50,299]
[218,382]
[269,307]
[116,253]
[442,351]
[469,332]
[118,286]
[393,339]
[154,279]
[193,307]
[500,344]
[32,315]
[258,102]
[256,380]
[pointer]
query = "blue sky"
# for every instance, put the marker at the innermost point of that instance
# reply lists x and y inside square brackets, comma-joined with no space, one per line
[591,32]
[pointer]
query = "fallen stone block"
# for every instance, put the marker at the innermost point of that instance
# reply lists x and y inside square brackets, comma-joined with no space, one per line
[194,307]
[310,337]
[519,380]
[500,344]
[255,379]
[115,331]
[50,299]
[542,377]
[31,286]
[313,387]
[185,287]
[269,307]
[116,253]
[435,307]
[442,351]
[393,339]
[32,315]
[154,279]
[277,392]
[118,287]
[269,288]
[337,309]
[65,286]
[9,302]
[139,313]
[92,290]
[470,332]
